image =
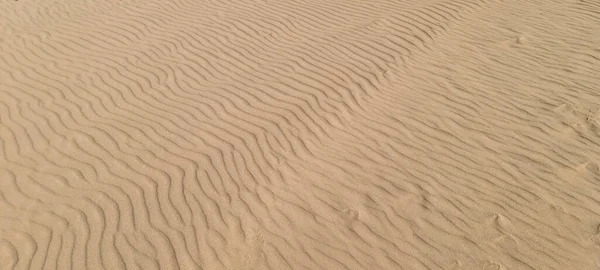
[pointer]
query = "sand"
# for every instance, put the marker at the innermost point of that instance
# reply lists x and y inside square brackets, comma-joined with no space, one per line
[306,134]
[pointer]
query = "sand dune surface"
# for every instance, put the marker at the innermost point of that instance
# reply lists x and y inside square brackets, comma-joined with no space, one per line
[307,134]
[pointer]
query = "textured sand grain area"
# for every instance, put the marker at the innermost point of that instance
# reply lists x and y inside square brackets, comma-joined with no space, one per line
[305,134]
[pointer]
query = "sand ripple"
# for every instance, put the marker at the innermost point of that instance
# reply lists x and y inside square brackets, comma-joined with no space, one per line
[299,134]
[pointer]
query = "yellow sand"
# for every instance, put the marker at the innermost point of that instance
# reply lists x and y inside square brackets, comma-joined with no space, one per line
[316,134]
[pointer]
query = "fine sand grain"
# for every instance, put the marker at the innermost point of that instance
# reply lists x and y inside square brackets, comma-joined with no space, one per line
[305,134]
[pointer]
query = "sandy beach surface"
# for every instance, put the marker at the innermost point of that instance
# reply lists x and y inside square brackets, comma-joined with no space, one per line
[305,134]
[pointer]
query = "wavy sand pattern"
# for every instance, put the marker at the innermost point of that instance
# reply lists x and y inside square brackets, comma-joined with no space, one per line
[315,134]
